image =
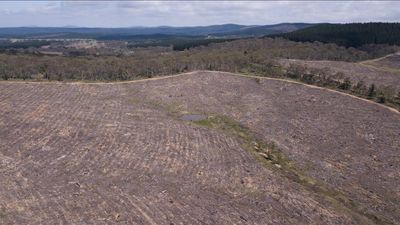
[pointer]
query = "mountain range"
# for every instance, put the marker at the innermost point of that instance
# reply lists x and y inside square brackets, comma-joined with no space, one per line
[213,31]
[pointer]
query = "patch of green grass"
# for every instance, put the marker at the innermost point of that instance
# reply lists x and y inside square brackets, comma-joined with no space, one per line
[205,123]
[266,152]
[273,158]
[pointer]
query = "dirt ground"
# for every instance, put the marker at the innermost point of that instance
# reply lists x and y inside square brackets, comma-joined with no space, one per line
[390,62]
[382,73]
[120,154]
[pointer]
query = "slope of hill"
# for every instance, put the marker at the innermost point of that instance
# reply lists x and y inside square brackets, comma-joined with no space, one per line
[349,35]
[390,63]
[120,153]
[356,72]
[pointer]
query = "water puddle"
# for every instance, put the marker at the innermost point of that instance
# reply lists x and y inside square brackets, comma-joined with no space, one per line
[193,117]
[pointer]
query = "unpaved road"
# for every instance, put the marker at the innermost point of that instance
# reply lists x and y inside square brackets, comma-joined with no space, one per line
[371,72]
[113,153]
[388,63]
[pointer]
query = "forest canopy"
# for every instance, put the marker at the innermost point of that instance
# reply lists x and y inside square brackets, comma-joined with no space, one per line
[349,35]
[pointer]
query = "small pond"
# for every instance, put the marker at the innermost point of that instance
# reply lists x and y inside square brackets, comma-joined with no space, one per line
[193,117]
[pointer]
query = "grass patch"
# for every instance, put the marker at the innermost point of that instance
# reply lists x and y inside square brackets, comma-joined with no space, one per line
[271,157]
[266,152]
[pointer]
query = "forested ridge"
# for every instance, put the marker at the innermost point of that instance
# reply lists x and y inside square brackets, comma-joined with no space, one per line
[349,35]
[234,56]
[246,56]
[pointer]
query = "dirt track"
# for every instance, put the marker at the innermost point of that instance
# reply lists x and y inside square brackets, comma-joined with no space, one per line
[112,153]
[388,63]
[371,72]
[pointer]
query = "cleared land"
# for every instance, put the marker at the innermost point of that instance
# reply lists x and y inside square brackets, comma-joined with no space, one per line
[382,73]
[387,63]
[120,153]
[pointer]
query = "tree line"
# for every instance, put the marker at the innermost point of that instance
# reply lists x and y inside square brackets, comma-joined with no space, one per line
[233,56]
[349,35]
[251,56]
[338,81]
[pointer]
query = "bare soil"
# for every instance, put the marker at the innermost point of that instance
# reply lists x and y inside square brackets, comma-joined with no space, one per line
[390,62]
[120,153]
[369,72]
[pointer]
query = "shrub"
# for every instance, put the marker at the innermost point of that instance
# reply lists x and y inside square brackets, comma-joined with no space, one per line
[396,99]
[360,88]
[346,85]
[381,97]
[371,91]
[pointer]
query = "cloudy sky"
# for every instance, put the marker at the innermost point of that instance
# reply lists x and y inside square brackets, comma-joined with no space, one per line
[191,13]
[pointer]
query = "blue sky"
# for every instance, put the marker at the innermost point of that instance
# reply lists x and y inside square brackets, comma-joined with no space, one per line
[191,13]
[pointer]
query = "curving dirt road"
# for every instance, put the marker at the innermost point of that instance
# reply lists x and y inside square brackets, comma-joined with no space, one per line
[370,72]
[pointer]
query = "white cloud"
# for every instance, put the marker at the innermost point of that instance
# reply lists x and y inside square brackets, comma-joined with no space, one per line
[189,13]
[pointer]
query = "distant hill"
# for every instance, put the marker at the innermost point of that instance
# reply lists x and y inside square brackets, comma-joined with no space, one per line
[349,35]
[266,29]
[123,33]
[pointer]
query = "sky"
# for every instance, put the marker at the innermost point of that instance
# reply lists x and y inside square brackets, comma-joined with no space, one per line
[191,13]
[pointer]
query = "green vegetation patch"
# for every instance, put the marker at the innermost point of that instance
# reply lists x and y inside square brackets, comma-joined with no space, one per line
[273,158]
[268,152]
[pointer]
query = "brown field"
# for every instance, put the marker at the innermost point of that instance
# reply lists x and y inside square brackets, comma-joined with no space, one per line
[371,72]
[388,63]
[119,153]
